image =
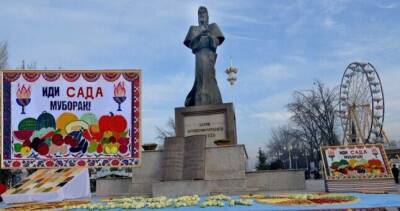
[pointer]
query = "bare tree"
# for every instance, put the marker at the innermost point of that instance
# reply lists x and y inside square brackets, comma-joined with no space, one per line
[287,146]
[313,112]
[27,66]
[3,55]
[170,131]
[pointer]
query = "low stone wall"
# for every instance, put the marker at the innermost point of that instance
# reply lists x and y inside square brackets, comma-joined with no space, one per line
[224,173]
[113,186]
[143,177]
[200,187]
[275,180]
[149,173]
[151,169]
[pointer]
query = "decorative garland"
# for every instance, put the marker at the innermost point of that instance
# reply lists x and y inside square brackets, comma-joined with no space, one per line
[69,76]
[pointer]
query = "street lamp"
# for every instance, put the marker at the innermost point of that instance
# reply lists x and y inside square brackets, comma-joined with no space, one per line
[280,155]
[306,155]
[290,155]
[314,154]
[295,157]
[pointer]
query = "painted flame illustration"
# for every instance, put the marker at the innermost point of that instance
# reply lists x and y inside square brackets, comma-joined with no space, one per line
[119,90]
[23,92]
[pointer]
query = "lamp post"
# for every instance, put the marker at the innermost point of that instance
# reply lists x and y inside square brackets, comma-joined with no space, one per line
[295,157]
[279,155]
[314,154]
[289,148]
[290,157]
[306,155]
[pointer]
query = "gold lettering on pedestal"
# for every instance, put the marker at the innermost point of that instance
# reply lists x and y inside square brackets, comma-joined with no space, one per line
[213,126]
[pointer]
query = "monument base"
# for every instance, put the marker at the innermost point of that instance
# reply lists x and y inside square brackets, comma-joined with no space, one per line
[253,182]
[224,172]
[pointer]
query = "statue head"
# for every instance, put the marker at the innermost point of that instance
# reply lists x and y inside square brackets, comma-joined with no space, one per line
[203,15]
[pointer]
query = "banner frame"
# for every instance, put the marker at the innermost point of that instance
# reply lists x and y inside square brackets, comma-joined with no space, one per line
[100,71]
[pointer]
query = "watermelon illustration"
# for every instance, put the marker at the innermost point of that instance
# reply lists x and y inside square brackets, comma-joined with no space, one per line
[22,135]
[27,124]
[45,120]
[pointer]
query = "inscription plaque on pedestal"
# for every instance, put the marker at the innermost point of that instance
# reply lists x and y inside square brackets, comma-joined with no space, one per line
[173,158]
[213,126]
[195,152]
[216,122]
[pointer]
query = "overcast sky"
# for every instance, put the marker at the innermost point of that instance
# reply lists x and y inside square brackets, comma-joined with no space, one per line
[278,46]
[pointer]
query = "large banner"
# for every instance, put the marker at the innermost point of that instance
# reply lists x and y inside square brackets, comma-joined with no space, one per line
[57,119]
[355,162]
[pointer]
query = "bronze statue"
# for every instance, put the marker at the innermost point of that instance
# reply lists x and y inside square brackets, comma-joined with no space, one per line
[203,40]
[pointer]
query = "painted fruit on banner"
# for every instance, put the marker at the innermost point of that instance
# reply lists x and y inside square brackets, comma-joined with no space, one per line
[63,120]
[71,136]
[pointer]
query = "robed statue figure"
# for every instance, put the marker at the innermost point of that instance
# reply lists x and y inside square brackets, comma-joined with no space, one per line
[203,40]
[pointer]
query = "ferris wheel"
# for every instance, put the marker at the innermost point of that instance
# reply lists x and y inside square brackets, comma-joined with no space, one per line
[362,104]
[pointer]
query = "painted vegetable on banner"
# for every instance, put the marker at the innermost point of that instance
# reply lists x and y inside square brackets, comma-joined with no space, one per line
[65,119]
[356,162]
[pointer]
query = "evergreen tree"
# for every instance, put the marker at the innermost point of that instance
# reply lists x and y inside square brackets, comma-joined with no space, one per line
[262,160]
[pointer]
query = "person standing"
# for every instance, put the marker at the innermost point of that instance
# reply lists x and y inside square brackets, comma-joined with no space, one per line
[395,172]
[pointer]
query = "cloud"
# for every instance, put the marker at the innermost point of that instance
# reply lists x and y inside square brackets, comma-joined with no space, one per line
[167,89]
[389,78]
[296,27]
[365,45]
[275,72]
[277,117]
[333,7]
[234,18]
[296,59]
[160,97]
[241,37]
[387,6]
[328,23]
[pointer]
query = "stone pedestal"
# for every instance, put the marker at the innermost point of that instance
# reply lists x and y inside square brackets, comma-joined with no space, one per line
[216,122]
[184,158]
[195,154]
[173,158]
